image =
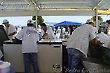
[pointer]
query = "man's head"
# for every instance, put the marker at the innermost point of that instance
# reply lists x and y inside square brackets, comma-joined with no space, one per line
[6,22]
[108,21]
[30,23]
[44,27]
[89,21]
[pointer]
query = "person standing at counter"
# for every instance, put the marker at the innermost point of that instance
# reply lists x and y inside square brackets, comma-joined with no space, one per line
[46,32]
[29,38]
[10,31]
[77,46]
[9,28]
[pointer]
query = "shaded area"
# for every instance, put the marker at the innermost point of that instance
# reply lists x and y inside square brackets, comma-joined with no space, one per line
[64,59]
[99,54]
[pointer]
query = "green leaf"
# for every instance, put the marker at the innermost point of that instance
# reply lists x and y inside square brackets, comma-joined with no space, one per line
[40,20]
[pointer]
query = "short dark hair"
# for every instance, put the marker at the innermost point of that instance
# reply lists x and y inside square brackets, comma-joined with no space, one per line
[108,21]
[30,24]
[43,24]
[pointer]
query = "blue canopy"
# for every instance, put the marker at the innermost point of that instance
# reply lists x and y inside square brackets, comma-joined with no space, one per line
[102,23]
[68,23]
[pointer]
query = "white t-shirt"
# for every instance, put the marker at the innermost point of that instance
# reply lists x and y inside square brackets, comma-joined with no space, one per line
[80,38]
[104,38]
[29,38]
[11,29]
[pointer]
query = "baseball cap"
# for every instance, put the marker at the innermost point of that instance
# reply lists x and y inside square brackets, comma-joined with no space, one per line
[5,21]
[89,21]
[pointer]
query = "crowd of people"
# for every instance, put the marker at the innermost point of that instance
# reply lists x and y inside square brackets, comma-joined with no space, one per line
[77,42]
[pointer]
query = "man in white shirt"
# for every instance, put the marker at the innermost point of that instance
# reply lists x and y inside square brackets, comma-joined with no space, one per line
[77,46]
[29,38]
[9,28]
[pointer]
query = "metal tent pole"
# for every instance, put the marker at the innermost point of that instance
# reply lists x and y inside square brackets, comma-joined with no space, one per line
[97,22]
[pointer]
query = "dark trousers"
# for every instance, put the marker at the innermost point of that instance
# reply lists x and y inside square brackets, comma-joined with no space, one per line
[75,61]
[30,59]
[1,48]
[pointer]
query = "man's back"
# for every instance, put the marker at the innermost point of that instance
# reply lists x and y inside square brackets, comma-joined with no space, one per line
[80,38]
[29,39]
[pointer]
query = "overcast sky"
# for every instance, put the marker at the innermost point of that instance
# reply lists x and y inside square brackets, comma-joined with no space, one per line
[21,21]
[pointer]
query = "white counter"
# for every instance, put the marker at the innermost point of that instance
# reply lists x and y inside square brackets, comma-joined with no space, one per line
[49,56]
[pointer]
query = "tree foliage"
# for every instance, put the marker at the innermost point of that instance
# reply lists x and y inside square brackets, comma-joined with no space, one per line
[100,19]
[39,20]
[33,17]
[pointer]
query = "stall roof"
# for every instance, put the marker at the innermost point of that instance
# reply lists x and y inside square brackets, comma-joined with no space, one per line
[51,7]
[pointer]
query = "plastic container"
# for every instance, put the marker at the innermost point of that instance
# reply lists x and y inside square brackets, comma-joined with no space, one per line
[5,67]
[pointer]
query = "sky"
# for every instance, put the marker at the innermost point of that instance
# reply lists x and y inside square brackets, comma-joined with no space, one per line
[50,20]
[16,21]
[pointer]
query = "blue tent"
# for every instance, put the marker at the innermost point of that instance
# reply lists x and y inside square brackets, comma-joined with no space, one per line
[68,23]
[102,23]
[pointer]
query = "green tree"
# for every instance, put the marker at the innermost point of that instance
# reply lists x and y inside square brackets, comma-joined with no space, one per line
[39,20]
[100,19]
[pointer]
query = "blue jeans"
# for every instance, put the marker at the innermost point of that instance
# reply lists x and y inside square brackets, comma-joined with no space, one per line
[12,69]
[74,60]
[30,59]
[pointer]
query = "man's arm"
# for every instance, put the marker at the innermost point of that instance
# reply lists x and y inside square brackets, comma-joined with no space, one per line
[96,42]
[16,40]
[11,34]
